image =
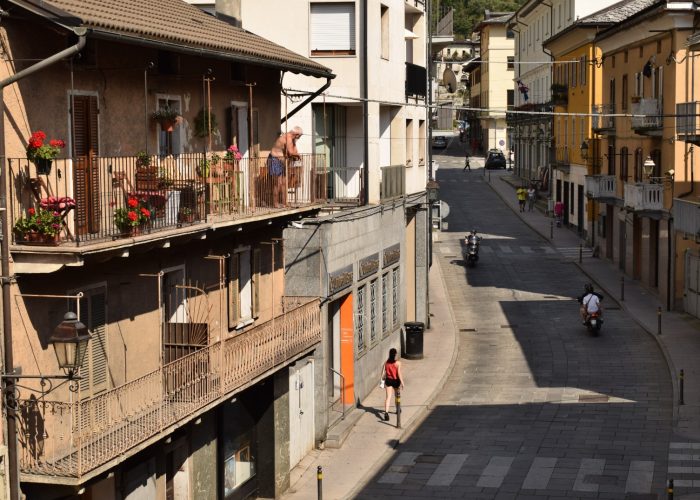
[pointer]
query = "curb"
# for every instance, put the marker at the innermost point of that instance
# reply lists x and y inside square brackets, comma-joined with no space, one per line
[422,413]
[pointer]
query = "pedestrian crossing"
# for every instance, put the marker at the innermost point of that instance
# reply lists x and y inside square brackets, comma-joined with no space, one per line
[510,250]
[591,473]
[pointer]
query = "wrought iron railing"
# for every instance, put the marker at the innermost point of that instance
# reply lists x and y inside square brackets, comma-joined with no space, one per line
[177,191]
[69,439]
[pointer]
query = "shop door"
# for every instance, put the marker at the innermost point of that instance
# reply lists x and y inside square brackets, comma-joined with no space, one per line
[301,410]
[691,284]
[347,350]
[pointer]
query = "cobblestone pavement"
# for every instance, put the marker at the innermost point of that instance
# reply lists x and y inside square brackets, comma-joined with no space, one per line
[535,407]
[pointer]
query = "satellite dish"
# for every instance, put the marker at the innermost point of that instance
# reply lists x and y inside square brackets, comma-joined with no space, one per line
[449,79]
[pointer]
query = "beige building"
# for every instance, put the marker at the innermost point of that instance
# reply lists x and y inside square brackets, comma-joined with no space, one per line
[496,89]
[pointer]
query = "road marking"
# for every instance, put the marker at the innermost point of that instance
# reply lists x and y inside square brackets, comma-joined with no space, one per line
[687,483]
[589,467]
[685,446]
[505,249]
[526,249]
[495,472]
[399,468]
[547,249]
[447,470]
[684,470]
[640,476]
[539,474]
[485,249]
[683,456]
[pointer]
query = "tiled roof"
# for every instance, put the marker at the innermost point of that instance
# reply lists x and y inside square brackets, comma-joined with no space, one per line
[176,22]
[618,12]
[498,20]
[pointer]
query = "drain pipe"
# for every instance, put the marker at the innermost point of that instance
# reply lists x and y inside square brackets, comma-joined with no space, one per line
[9,389]
[365,104]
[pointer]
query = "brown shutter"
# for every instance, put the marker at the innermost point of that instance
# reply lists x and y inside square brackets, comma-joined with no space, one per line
[255,274]
[85,152]
[233,292]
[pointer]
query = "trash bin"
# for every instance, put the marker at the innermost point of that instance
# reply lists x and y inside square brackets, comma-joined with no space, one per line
[413,347]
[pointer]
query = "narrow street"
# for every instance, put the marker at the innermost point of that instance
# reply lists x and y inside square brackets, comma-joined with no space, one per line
[535,407]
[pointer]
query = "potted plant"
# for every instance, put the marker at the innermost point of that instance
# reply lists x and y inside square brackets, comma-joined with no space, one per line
[209,167]
[41,153]
[185,214]
[131,219]
[202,122]
[39,227]
[143,160]
[166,116]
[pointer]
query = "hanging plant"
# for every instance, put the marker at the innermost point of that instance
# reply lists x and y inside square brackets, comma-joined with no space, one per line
[201,123]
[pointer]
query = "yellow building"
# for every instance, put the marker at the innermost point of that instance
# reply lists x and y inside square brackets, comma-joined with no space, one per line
[576,85]
[645,72]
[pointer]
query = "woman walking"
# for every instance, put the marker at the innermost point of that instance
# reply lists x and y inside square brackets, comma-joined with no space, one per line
[391,379]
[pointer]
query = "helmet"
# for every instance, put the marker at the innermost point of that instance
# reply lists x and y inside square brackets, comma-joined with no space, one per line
[588,287]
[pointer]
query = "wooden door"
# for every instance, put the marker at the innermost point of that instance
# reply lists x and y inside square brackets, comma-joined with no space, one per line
[86,168]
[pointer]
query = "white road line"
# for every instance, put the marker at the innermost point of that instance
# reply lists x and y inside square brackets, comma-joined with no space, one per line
[484,249]
[589,467]
[547,249]
[683,456]
[505,249]
[447,470]
[640,476]
[539,474]
[398,470]
[495,472]
[684,470]
[685,446]
[526,249]
[687,483]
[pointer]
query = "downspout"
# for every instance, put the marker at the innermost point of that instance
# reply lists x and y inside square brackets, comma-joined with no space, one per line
[551,117]
[5,250]
[308,99]
[365,104]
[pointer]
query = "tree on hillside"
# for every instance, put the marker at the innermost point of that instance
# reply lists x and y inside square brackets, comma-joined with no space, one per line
[469,13]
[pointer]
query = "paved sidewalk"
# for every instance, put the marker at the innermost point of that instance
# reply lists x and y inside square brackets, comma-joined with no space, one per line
[372,441]
[680,332]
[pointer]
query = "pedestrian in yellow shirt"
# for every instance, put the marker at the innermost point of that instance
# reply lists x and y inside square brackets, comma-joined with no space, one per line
[521,193]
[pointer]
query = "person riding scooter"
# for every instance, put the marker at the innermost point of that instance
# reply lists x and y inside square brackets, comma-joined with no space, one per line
[590,303]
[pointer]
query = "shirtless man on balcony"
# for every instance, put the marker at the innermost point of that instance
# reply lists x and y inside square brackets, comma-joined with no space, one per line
[283,150]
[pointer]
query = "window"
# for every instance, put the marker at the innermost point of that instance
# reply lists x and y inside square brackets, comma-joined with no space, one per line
[395,296]
[611,159]
[657,82]
[409,143]
[626,55]
[638,85]
[583,67]
[421,142]
[360,323]
[332,29]
[510,35]
[613,108]
[638,163]
[511,62]
[625,98]
[574,74]
[385,305]
[385,31]
[243,287]
[93,312]
[373,311]
[624,155]
[510,98]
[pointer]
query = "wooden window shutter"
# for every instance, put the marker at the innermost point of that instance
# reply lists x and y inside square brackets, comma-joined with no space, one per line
[256,282]
[85,150]
[95,366]
[233,292]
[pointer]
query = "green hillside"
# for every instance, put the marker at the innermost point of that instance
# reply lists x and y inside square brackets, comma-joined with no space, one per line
[468,13]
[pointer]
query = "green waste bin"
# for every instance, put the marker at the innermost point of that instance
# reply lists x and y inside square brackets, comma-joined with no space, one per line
[413,346]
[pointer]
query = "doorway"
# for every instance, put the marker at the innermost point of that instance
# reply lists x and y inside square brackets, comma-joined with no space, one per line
[85,151]
[301,410]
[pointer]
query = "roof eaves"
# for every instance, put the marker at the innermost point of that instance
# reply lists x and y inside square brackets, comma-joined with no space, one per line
[633,18]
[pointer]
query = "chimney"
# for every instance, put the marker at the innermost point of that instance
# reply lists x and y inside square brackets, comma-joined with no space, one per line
[229,11]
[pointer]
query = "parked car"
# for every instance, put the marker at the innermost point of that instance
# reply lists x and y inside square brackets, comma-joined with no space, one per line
[495,159]
[439,142]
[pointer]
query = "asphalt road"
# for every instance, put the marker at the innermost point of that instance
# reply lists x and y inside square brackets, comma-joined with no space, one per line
[535,408]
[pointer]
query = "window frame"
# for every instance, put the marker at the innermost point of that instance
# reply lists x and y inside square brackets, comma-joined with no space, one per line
[352,30]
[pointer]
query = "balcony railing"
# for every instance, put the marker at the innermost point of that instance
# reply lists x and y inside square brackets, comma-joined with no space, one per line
[643,196]
[647,115]
[688,121]
[393,182]
[686,216]
[178,192]
[416,78]
[601,186]
[562,156]
[68,440]
[601,121]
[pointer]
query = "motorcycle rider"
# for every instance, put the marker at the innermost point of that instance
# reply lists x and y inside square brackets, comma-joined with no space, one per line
[590,303]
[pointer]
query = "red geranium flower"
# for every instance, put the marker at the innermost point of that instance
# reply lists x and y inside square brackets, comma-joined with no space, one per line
[146,212]
[57,143]
[133,216]
[133,202]
[31,211]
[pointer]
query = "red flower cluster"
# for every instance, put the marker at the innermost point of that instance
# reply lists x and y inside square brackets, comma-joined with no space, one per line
[37,148]
[37,139]
[55,204]
[134,214]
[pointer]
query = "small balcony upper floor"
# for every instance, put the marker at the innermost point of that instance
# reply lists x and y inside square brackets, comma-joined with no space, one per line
[688,121]
[602,121]
[601,187]
[108,204]
[647,116]
[644,197]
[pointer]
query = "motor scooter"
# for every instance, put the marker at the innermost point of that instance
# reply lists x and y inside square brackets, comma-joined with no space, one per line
[594,323]
[471,248]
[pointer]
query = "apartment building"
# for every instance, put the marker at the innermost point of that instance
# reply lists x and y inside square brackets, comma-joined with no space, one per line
[575,152]
[452,87]
[164,242]
[644,76]
[368,264]
[497,65]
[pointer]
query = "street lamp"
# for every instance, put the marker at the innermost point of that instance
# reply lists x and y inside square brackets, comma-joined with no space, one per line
[70,339]
[648,167]
[584,150]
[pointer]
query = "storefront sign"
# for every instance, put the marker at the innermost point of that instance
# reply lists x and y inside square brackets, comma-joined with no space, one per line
[369,265]
[340,279]
[392,254]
